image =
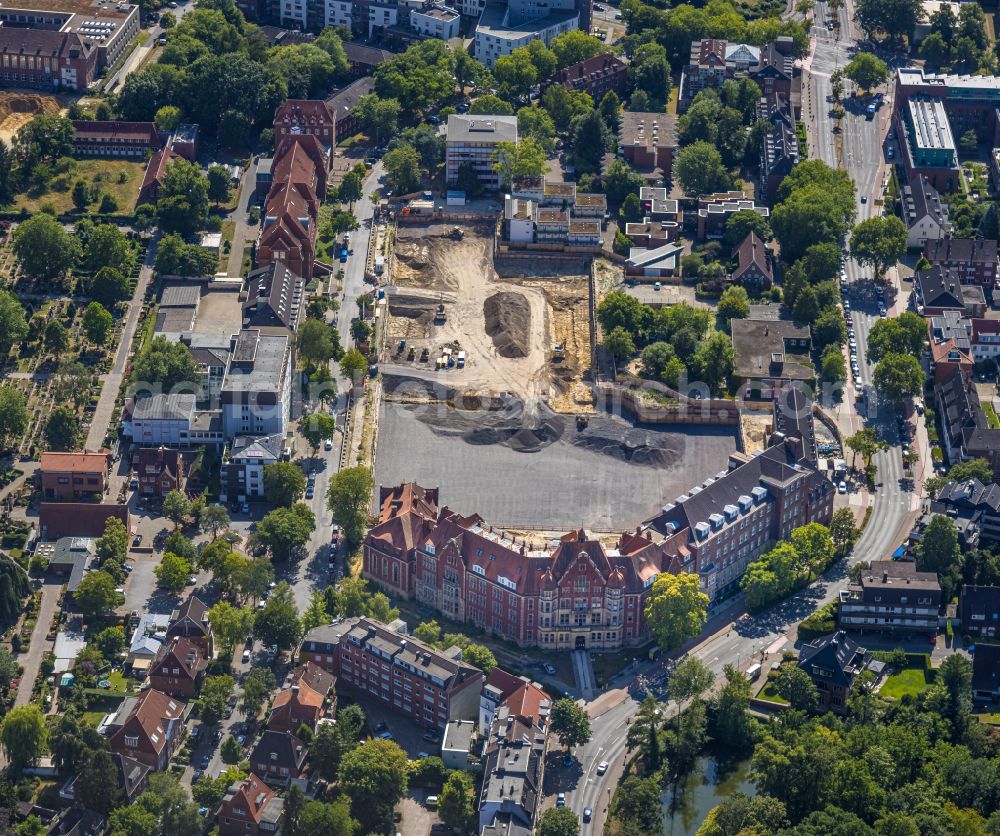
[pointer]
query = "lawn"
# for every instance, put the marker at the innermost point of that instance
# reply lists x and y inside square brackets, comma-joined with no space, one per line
[991,415]
[989,719]
[608,665]
[910,680]
[770,694]
[106,174]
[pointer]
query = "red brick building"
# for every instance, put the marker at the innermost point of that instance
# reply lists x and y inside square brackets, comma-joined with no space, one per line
[159,470]
[190,621]
[970,260]
[753,264]
[304,116]
[414,679]
[156,170]
[298,185]
[67,476]
[303,700]
[648,141]
[178,668]
[42,59]
[114,139]
[249,808]
[78,519]
[152,732]
[596,76]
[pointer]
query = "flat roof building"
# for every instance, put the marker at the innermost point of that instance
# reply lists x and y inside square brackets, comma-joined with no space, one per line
[472,140]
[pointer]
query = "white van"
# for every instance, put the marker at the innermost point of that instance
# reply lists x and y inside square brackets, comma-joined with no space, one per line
[753,672]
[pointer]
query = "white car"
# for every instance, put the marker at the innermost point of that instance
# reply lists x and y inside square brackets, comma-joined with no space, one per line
[842,487]
[328,444]
[602,767]
[246,656]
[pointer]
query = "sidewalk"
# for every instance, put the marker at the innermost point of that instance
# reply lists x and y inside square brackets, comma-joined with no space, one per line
[112,381]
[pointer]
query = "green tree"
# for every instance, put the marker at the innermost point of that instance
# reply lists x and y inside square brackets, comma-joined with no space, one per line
[62,430]
[621,181]
[525,158]
[732,718]
[317,428]
[374,777]
[315,614]
[905,334]
[814,546]
[13,325]
[81,194]
[698,169]
[113,543]
[23,735]
[349,497]
[167,364]
[575,46]
[286,530]
[843,530]
[490,105]
[895,18]
[867,70]
[794,685]
[278,622]
[714,359]
[590,139]
[378,117]
[565,106]
[319,819]
[636,804]
[676,609]
[314,342]
[816,205]
[95,766]
[106,246]
[570,723]
[182,205]
[230,625]
[619,344]
[109,287]
[176,508]
[515,75]
[742,223]
[175,258]
[402,166]
[256,686]
[13,415]
[558,821]
[879,242]
[47,137]
[333,742]
[56,337]
[734,304]
[690,679]
[44,249]
[866,443]
[97,323]
[481,657]
[218,184]
[467,69]
[898,376]
[455,804]
[829,329]
[172,573]
[649,71]
[167,118]
[284,484]
[215,694]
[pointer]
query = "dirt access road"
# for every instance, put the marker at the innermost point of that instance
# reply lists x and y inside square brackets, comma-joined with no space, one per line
[506,326]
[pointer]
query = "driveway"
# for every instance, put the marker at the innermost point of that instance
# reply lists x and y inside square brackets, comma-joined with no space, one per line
[241,231]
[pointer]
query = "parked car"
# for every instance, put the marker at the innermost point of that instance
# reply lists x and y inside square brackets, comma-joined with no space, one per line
[561,800]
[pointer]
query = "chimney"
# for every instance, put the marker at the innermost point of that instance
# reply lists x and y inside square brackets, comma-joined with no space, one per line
[295,689]
[885,577]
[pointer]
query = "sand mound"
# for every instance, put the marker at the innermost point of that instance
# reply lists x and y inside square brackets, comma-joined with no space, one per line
[508,323]
[26,103]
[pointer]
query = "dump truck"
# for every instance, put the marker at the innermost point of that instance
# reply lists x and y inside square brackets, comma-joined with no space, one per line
[440,316]
[457,233]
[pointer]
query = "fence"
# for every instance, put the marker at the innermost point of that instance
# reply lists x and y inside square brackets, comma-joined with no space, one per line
[680,409]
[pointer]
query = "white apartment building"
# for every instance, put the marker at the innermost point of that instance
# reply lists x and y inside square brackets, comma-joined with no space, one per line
[257,392]
[473,140]
[435,20]
[501,30]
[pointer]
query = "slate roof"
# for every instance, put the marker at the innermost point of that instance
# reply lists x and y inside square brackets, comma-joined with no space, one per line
[986,668]
[836,658]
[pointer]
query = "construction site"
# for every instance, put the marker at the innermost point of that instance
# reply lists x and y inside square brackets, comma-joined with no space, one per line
[487,392]
[18,108]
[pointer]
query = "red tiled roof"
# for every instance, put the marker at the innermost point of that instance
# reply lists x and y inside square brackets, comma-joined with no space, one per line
[181,653]
[153,712]
[526,702]
[80,462]
[250,794]
[93,129]
[303,112]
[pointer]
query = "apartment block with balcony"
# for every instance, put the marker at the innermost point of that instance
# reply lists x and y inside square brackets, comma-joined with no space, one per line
[892,598]
[430,686]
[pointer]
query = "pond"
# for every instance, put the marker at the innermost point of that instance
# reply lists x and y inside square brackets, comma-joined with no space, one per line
[706,785]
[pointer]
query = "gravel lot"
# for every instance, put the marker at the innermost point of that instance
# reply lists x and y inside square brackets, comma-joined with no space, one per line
[609,477]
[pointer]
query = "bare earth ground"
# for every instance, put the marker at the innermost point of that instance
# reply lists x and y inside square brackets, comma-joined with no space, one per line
[17,109]
[506,326]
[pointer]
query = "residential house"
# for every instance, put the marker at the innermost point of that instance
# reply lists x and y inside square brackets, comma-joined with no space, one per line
[973,499]
[278,757]
[595,76]
[927,145]
[190,621]
[971,260]
[257,391]
[926,214]
[275,299]
[648,141]
[979,608]
[291,210]
[966,431]
[171,421]
[770,356]
[656,206]
[243,468]
[651,235]
[159,470]
[715,210]
[779,153]
[936,291]
[250,808]
[655,264]
[132,777]
[712,61]
[985,339]
[156,171]
[357,648]
[304,116]
[70,556]
[504,27]
[303,699]
[833,663]
[184,141]
[950,345]
[344,106]
[472,140]
[114,139]
[457,744]
[79,475]
[152,732]
[178,668]
[986,672]
[753,264]
[891,598]
[364,59]
[435,20]
[147,639]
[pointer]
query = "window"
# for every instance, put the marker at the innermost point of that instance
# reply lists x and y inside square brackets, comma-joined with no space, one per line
[131,740]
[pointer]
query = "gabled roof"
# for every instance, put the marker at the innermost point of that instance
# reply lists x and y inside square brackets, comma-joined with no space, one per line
[836,658]
[986,668]
[153,713]
[752,252]
[280,749]
[256,797]
[969,250]
[190,618]
[293,112]
[182,654]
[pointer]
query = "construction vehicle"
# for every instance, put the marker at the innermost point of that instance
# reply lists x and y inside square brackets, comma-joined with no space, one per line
[581,422]
[439,315]
[457,233]
[558,353]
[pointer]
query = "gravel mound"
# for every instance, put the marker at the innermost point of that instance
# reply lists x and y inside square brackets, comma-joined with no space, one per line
[508,322]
